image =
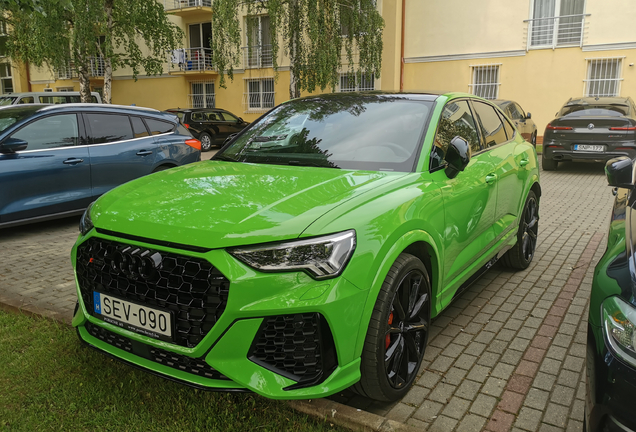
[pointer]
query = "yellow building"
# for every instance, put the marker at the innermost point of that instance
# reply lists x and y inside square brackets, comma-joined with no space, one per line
[539,53]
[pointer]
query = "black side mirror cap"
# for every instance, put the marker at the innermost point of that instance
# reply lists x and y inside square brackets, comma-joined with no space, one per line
[12,145]
[620,172]
[457,156]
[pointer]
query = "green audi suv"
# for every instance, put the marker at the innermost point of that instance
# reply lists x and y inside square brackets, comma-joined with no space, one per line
[312,252]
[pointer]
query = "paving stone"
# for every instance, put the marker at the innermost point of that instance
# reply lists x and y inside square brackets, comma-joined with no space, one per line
[428,410]
[479,373]
[468,389]
[483,405]
[528,419]
[442,393]
[416,395]
[443,423]
[471,423]
[562,395]
[454,376]
[500,422]
[536,399]
[556,415]
[456,408]
[493,386]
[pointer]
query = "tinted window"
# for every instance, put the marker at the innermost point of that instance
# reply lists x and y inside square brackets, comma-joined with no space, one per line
[50,132]
[491,127]
[105,128]
[228,117]
[198,116]
[594,110]
[456,120]
[513,113]
[139,128]
[26,100]
[159,127]
[369,132]
[183,131]
[212,116]
[520,110]
[510,130]
[7,101]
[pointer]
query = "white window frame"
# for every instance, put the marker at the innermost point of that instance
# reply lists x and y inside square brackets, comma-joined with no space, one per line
[550,29]
[6,66]
[204,99]
[489,89]
[267,100]
[358,82]
[256,54]
[604,86]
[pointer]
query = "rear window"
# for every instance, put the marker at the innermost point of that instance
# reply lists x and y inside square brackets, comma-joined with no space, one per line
[7,101]
[614,110]
[158,127]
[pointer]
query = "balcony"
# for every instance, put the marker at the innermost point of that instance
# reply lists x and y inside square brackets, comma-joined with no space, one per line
[187,8]
[257,56]
[556,32]
[191,61]
[66,72]
[96,66]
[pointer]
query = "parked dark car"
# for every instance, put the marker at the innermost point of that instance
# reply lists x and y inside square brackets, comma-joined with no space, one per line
[57,159]
[522,120]
[611,336]
[210,125]
[597,129]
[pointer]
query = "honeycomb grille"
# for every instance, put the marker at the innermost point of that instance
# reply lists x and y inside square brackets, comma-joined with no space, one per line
[299,347]
[176,361]
[193,290]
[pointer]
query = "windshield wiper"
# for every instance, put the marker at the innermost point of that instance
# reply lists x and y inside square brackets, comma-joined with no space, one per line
[307,163]
[223,158]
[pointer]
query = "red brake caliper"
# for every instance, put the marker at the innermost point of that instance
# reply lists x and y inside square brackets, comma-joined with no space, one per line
[388,337]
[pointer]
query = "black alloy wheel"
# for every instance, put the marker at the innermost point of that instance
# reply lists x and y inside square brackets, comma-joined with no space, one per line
[521,254]
[398,332]
[206,141]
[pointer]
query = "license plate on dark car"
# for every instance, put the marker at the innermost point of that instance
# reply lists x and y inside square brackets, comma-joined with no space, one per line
[589,147]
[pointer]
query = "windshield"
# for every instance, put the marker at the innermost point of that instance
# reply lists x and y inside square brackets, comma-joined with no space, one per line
[612,110]
[6,100]
[9,116]
[365,132]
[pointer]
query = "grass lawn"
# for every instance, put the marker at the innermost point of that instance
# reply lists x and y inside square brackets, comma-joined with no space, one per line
[49,381]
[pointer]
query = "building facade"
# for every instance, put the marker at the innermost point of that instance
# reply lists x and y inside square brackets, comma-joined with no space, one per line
[539,53]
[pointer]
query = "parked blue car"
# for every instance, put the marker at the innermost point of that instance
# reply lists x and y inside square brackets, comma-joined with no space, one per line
[57,159]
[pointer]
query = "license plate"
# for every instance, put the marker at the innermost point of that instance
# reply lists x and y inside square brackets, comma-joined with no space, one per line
[589,147]
[131,316]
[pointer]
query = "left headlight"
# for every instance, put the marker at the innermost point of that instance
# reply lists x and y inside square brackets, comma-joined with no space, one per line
[619,326]
[86,224]
[321,257]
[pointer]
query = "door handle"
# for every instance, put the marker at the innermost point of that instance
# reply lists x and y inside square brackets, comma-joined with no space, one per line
[144,152]
[524,162]
[491,178]
[73,161]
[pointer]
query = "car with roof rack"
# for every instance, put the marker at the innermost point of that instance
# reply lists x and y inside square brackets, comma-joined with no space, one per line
[56,159]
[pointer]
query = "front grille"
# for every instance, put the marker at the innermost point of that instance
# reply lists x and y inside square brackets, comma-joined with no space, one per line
[299,347]
[195,366]
[193,290]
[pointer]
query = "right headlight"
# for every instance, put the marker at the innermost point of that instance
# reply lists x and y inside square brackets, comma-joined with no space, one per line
[619,326]
[86,224]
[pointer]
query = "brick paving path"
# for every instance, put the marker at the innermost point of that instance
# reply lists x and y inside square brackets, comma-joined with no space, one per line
[508,354]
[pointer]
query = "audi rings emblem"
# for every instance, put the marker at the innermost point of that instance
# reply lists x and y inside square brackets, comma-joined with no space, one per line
[135,263]
[590,126]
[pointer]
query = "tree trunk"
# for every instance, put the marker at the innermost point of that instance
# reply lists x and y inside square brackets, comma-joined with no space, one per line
[85,83]
[294,88]
[108,64]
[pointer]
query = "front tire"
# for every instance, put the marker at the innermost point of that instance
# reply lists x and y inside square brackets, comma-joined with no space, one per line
[398,332]
[533,139]
[548,164]
[521,254]
[206,141]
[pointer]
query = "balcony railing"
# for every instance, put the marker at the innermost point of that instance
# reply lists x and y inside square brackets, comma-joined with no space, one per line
[191,59]
[553,32]
[201,101]
[180,4]
[258,102]
[66,72]
[96,65]
[257,56]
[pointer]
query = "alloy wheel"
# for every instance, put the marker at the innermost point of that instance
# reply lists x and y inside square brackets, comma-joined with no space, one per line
[407,330]
[530,228]
[206,142]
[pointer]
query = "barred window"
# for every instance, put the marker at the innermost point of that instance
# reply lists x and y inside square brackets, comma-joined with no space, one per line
[260,94]
[202,94]
[6,78]
[485,81]
[603,77]
[351,82]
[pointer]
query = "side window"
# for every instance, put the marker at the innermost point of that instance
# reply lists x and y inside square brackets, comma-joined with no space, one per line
[50,132]
[213,117]
[228,117]
[522,114]
[456,120]
[183,131]
[158,127]
[26,100]
[510,130]
[139,128]
[491,126]
[513,113]
[197,116]
[107,128]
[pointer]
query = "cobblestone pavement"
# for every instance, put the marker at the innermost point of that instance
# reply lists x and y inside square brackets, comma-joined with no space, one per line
[508,354]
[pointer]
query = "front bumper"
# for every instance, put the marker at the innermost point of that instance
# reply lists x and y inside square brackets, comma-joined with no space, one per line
[282,335]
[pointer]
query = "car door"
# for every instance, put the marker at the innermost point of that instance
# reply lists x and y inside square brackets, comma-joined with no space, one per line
[509,159]
[229,124]
[52,175]
[120,147]
[198,123]
[469,198]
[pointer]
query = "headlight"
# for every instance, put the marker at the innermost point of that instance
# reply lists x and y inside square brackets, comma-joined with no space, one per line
[321,257]
[86,224]
[619,326]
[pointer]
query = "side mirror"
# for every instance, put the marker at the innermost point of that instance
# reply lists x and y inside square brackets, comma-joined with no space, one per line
[457,156]
[620,172]
[240,120]
[528,116]
[12,145]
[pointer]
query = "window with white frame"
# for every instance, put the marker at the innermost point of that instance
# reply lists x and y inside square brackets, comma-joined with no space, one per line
[258,52]
[556,23]
[485,81]
[352,82]
[603,77]
[201,94]
[259,95]
[6,78]
[64,89]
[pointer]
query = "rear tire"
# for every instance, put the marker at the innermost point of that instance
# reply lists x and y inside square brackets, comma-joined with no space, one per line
[206,141]
[548,164]
[521,254]
[397,333]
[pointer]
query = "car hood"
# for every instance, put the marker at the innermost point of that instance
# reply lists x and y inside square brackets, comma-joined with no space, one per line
[217,204]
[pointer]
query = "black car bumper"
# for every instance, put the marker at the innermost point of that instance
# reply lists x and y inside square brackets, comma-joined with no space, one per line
[611,395]
[559,154]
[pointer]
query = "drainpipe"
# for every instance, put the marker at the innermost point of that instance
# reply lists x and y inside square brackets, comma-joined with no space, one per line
[402,47]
